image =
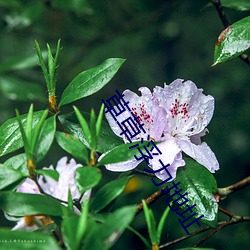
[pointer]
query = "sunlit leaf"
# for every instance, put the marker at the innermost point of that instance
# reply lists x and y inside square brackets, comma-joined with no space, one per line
[90,81]
[233,41]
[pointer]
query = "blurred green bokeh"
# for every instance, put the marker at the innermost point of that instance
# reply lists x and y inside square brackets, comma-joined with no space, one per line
[161,41]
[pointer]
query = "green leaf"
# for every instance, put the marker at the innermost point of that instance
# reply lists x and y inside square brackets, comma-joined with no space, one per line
[20,204]
[107,139]
[92,128]
[10,136]
[99,122]
[200,186]
[104,236]
[18,162]
[241,5]
[53,174]
[84,125]
[233,41]
[108,193]
[143,239]
[46,138]
[73,146]
[150,219]
[161,224]
[8,176]
[122,153]
[90,81]
[16,240]
[87,177]
[19,90]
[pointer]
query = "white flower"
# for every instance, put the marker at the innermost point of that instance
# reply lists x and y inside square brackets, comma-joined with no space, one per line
[58,189]
[177,115]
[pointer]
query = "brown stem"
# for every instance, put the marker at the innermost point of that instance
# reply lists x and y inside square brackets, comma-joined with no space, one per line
[224,192]
[235,220]
[151,199]
[226,23]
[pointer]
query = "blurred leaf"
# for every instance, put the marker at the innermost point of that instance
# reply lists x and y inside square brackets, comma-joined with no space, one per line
[10,4]
[9,176]
[78,6]
[195,248]
[105,235]
[90,81]
[87,177]
[10,136]
[53,174]
[20,204]
[73,146]
[200,186]
[233,41]
[16,240]
[46,137]
[107,139]
[19,90]
[20,62]
[241,5]
[108,193]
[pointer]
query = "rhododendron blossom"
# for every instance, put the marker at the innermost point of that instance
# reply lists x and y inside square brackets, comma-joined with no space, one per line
[176,115]
[58,189]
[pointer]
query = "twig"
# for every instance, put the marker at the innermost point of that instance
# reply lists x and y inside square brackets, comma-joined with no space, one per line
[224,192]
[143,172]
[224,211]
[152,198]
[235,220]
[226,23]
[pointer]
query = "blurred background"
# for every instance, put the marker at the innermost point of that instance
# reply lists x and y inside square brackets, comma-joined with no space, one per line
[161,41]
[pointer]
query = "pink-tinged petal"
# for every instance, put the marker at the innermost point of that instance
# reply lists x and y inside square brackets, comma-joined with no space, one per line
[189,110]
[21,225]
[29,187]
[123,166]
[201,153]
[171,154]
[59,189]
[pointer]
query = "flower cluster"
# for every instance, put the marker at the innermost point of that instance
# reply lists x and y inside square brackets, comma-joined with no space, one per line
[177,116]
[58,189]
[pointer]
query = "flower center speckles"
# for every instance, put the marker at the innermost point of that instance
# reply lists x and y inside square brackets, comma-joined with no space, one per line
[143,116]
[179,109]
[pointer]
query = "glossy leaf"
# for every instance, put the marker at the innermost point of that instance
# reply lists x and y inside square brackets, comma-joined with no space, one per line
[46,137]
[233,41]
[122,153]
[10,136]
[19,90]
[73,146]
[241,5]
[107,138]
[16,240]
[161,224]
[18,162]
[108,193]
[9,175]
[105,235]
[53,174]
[200,186]
[90,81]
[87,177]
[20,204]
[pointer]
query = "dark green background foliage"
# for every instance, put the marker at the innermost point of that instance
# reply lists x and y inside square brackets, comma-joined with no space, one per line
[161,41]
